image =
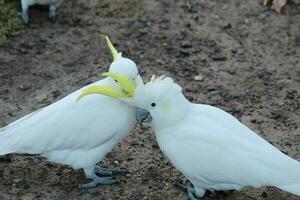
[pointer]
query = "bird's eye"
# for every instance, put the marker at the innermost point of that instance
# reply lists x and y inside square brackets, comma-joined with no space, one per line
[153,104]
[115,80]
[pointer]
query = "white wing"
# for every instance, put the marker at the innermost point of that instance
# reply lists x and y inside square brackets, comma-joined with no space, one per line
[68,124]
[215,150]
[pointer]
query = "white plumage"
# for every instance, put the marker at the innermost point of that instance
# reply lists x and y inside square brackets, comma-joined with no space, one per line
[211,147]
[75,133]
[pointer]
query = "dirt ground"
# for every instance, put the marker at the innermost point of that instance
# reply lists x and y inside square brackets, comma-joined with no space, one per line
[246,55]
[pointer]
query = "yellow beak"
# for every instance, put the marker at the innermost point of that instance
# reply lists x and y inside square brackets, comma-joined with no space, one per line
[126,90]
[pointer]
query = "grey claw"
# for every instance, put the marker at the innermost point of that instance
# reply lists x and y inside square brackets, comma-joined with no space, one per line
[109,171]
[98,181]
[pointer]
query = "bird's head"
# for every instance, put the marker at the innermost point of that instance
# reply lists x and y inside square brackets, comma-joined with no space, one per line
[162,98]
[121,65]
[122,71]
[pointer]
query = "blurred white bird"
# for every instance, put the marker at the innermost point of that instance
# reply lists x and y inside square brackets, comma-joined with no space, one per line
[209,146]
[53,8]
[78,130]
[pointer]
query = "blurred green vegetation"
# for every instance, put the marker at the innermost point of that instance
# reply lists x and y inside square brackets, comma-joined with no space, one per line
[10,22]
[120,8]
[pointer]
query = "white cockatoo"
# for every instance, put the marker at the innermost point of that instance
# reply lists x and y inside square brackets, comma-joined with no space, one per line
[80,129]
[209,146]
[53,8]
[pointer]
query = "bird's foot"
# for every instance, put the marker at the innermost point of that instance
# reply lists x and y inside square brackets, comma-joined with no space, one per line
[98,181]
[191,192]
[109,171]
[24,15]
[53,12]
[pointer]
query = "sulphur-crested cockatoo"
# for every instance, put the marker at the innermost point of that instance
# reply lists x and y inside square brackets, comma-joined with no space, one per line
[80,129]
[53,8]
[209,146]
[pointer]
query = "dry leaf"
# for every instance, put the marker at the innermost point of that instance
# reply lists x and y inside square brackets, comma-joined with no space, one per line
[278,5]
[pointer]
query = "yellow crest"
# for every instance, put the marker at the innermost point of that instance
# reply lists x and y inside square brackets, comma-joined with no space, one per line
[101,89]
[113,50]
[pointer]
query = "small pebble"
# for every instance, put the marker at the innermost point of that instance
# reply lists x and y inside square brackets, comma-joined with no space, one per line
[199,77]
[24,86]
[184,52]
[231,71]
[41,98]
[186,44]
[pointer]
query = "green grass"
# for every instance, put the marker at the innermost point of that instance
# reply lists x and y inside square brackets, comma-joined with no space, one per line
[10,22]
[120,8]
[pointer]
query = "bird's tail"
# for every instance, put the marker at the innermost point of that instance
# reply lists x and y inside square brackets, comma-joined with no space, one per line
[283,172]
[292,188]
[7,142]
[289,180]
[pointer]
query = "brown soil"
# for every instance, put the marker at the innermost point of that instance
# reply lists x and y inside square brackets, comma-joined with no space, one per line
[247,54]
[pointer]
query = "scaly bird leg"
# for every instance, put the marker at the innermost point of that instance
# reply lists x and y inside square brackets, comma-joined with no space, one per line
[53,12]
[24,15]
[109,171]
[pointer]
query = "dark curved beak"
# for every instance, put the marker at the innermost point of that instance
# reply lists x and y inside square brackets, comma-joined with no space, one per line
[143,116]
